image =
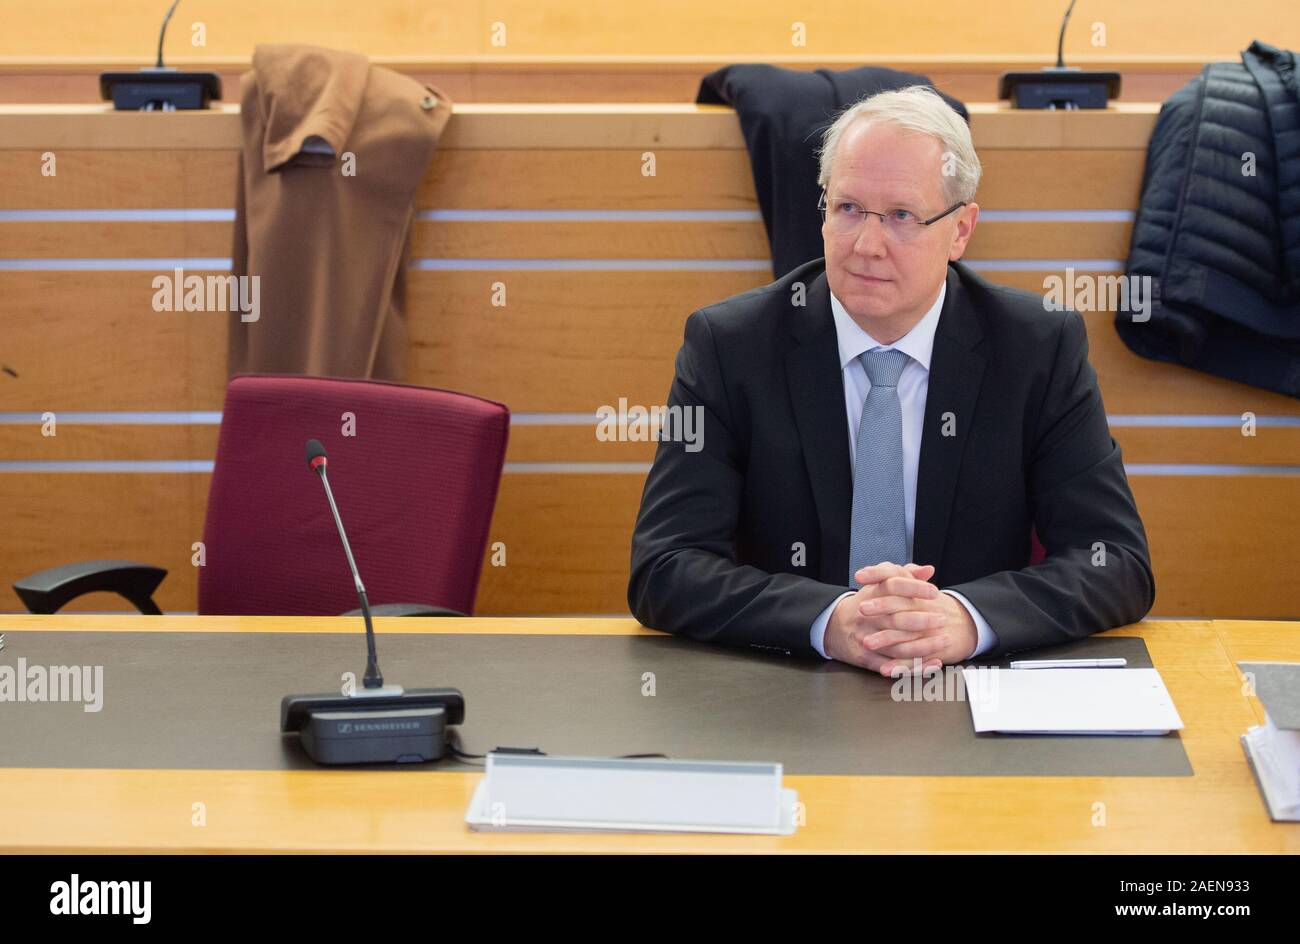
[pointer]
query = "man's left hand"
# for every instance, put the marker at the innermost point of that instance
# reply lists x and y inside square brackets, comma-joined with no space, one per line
[959,627]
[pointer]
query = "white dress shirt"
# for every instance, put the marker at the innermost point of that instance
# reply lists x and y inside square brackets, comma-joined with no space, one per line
[913,385]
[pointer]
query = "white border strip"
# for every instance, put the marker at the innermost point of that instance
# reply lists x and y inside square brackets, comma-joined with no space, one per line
[591,216]
[1053,265]
[106,465]
[114,418]
[590,265]
[554,419]
[1058,216]
[1195,420]
[112,265]
[1157,468]
[117,216]
[579,468]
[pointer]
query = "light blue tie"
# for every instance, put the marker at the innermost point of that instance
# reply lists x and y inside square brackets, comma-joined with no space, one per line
[879,523]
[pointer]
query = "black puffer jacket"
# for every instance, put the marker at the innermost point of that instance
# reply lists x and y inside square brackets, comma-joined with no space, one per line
[1221,243]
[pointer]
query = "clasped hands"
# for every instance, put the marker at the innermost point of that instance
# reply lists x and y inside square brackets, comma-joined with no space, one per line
[898,618]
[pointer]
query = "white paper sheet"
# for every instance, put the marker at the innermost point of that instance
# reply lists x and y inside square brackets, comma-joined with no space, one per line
[1071,701]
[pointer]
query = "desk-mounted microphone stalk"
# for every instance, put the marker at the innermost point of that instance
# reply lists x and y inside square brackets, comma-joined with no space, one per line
[377,723]
[373,681]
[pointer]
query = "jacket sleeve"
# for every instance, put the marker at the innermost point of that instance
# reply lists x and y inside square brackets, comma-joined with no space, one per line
[685,576]
[1097,572]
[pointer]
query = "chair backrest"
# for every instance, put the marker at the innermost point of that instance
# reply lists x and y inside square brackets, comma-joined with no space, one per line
[415,474]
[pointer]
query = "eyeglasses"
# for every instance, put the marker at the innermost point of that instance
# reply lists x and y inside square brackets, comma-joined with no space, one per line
[900,224]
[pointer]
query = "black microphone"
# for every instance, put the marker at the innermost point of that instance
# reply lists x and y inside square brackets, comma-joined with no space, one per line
[318,460]
[159,88]
[378,723]
[1060,86]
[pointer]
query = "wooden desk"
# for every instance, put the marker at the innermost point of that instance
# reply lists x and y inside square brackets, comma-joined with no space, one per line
[1216,810]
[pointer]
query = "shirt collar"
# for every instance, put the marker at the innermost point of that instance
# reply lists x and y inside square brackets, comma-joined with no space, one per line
[917,343]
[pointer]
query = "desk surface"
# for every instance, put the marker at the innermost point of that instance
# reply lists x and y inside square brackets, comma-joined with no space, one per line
[1216,810]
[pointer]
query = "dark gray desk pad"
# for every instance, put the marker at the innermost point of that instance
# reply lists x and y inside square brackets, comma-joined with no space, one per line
[212,701]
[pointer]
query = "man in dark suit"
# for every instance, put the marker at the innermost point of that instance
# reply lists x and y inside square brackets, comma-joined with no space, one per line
[882,429]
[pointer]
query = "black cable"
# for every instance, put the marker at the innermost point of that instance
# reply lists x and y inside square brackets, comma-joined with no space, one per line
[456,752]
[461,755]
[163,33]
[1060,42]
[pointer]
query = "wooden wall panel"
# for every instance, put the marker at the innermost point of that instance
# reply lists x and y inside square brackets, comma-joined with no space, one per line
[1222,544]
[541,239]
[91,341]
[458,179]
[559,31]
[658,80]
[131,178]
[54,518]
[547,439]
[567,537]
[568,341]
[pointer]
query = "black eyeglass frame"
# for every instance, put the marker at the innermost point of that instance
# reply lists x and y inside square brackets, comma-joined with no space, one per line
[822,205]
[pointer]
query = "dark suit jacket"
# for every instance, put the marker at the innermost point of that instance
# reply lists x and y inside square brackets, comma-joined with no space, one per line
[714,553]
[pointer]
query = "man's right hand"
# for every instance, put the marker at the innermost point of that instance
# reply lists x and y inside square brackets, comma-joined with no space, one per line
[849,626]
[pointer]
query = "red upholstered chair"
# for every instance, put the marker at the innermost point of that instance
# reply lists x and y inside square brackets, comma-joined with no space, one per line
[415,473]
[1037,553]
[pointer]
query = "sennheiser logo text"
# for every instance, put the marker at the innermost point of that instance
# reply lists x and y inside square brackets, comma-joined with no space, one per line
[362,727]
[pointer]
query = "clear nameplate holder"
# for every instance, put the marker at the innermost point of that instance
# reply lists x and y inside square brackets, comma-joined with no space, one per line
[528,793]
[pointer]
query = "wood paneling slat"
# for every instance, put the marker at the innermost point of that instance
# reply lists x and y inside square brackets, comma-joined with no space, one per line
[117,179]
[473,179]
[109,441]
[650,81]
[92,341]
[1226,445]
[58,518]
[530,442]
[1224,546]
[718,179]
[540,239]
[1053,179]
[98,239]
[563,343]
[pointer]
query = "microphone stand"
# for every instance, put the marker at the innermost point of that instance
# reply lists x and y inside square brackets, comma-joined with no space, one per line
[377,723]
[373,683]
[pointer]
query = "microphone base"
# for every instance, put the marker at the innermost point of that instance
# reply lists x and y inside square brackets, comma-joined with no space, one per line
[159,90]
[1059,88]
[388,736]
[403,728]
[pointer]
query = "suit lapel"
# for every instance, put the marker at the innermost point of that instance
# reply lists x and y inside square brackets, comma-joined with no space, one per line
[956,370]
[816,387]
